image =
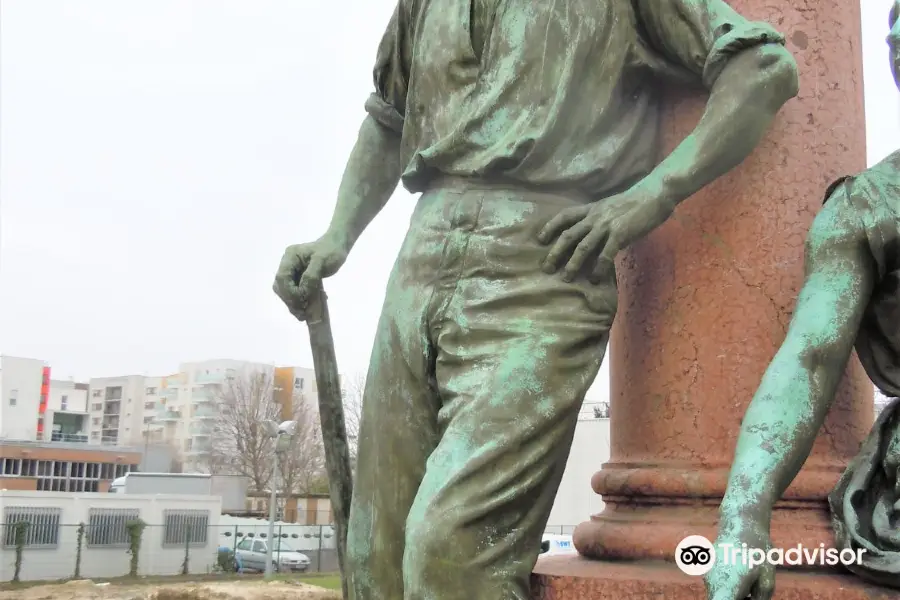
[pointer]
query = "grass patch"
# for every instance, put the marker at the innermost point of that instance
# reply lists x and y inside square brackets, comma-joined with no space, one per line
[330,581]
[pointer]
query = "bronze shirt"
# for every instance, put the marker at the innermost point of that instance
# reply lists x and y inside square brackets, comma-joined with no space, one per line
[556,92]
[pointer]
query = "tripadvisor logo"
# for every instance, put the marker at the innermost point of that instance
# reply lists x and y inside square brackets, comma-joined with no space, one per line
[695,555]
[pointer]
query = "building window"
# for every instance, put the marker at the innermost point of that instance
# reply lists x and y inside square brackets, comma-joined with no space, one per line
[185,527]
[114,393]
[298,383]
[109,526]
[601,410]
[63,402]
[43,531]
[97,406]
[150,391]
[97,393]
[13,397]
[12,466]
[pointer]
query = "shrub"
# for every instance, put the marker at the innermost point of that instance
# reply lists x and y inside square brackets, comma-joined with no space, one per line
[135,532]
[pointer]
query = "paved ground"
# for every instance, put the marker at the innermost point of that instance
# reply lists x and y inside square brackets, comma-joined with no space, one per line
[228,590]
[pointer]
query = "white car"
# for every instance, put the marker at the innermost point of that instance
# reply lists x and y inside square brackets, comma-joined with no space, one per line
[553,545]
[251,554]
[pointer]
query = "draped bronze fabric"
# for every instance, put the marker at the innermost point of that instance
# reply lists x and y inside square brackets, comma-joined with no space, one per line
[865,503]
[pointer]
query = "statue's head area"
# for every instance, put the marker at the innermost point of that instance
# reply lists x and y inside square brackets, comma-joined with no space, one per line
[894,41]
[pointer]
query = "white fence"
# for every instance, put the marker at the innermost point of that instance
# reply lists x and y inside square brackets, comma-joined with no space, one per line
[52,537]
[317,542]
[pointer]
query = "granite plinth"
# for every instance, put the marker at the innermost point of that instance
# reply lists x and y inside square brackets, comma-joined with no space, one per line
[577,578]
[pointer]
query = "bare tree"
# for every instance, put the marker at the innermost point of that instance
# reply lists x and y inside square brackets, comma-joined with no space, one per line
[303,463]
[352,389]
[241,444]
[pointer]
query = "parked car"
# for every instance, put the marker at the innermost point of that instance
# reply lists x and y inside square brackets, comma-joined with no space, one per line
[553,544]
[251,554]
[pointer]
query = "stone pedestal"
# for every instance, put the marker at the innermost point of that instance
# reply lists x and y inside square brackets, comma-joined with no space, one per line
[704,303]
[558,578]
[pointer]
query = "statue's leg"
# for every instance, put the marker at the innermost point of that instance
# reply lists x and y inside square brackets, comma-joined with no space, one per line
[517,351]
[398,429]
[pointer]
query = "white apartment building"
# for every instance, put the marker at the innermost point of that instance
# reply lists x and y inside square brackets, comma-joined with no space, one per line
[116,410]
[23,391]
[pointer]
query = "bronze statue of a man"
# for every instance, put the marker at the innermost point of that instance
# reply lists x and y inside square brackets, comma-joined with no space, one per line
[531,131]
[851,296]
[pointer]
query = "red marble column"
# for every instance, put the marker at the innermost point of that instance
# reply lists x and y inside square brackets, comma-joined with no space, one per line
[705,302]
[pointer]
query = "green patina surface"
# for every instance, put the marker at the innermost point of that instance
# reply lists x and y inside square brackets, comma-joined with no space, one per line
[850,297]
[531,130]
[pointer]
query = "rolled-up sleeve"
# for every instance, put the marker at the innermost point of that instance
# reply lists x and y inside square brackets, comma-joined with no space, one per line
[700,35]
[387,104]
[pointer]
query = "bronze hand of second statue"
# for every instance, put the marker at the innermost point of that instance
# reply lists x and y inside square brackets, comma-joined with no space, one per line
[732,578]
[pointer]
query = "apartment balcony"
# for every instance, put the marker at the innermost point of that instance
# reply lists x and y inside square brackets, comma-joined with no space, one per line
[203,395]
[70,423]
[168,393]
[199,449]
[201,429]
[169,416]
[72,438]
[112,407]
[205,413]
[113,394]
[204,377]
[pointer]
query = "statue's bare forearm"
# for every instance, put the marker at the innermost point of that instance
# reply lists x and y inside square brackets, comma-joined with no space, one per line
[744,100]
[782,421]
[779,428]
[370,177]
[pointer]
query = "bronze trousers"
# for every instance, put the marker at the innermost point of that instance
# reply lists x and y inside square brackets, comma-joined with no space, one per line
[479,369]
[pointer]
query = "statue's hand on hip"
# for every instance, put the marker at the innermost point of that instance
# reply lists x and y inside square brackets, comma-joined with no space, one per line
[733,577]
[302,269]
[598,231]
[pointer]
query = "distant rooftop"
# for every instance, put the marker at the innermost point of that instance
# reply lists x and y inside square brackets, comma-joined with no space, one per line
[71,446]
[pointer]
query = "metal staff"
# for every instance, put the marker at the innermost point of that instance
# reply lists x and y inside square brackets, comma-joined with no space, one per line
[334,428]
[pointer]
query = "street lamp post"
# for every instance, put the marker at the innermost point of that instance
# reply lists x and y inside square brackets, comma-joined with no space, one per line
[282,435]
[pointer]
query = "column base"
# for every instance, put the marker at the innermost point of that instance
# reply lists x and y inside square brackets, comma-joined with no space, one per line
[648,511]
[576,578]
[635,533]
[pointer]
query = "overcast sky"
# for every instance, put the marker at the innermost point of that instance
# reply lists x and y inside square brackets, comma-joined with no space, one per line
[157,156]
